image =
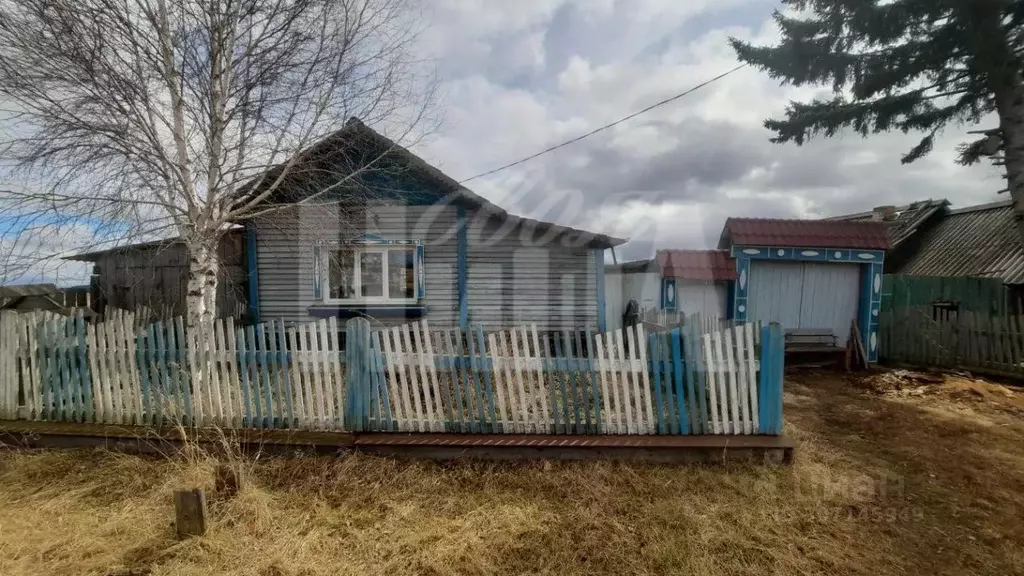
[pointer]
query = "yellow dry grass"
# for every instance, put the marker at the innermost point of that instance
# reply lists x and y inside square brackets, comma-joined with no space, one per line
[879,486]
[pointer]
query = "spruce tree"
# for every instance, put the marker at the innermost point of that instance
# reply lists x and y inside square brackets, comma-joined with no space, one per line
[909,65]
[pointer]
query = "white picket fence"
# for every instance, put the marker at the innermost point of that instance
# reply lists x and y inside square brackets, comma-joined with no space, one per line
[123,371]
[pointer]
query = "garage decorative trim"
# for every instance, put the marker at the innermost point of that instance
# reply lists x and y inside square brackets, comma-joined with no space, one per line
[870,291]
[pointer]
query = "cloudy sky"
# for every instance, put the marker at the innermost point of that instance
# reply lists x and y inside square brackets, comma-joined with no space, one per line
[520,76]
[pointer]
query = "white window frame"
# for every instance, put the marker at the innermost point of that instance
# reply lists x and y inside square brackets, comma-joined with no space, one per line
[357,275]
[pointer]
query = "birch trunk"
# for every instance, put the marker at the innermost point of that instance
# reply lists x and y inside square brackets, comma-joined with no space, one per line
[201,300]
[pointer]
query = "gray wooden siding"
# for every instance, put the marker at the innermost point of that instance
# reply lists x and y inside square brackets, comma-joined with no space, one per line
[284,249]
[516,277]
[509,280]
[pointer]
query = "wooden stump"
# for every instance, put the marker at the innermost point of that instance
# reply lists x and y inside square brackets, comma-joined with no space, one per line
[229,479]
[190,512]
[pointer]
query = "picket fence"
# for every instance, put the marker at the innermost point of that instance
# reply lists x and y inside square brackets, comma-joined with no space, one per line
[980,342]
[407,378]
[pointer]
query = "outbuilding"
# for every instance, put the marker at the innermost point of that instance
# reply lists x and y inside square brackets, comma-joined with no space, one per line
[809,274]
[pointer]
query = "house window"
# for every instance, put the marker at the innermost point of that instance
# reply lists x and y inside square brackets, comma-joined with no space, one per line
[371,274]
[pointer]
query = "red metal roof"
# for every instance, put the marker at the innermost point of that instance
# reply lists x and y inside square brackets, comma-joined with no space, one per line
[807,233]
[697,264]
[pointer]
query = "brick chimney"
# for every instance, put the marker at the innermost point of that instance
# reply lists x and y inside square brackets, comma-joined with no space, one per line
[883,213]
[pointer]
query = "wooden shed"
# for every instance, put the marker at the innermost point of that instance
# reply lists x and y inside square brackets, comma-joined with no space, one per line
[809,274]
[154,275]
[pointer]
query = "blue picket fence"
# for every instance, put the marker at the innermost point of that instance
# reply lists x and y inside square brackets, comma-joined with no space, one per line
[399,379]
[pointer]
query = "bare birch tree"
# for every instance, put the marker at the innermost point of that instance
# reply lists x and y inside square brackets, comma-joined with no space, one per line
[136,119]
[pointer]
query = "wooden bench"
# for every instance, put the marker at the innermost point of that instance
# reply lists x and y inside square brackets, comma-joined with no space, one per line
[812,340]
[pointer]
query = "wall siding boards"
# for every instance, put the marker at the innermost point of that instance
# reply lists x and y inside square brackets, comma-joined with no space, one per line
[509,280]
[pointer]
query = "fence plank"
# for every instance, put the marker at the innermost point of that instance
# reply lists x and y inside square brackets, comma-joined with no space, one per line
[680,377]
[750,330]
[713,357]
[645,383]
[733,388]
[525,403]
[495,425]
[546,417]
[434,420]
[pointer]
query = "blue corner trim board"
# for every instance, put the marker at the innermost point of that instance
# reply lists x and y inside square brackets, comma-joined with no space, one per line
[251,269]
[463,265]
[870,303]
[602,321]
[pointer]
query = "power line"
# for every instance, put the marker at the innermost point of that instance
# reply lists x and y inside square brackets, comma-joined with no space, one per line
[606,126]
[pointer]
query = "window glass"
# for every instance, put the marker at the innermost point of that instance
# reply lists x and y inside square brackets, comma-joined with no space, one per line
[341,275]
[371,274]
[401,273]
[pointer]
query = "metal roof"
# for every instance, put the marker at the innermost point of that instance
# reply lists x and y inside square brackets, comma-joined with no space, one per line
[346,145]
[905,221]
[697,264]
[974,241]
[804,233]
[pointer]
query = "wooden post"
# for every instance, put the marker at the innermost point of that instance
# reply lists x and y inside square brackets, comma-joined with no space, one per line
[190,512]
[229,479]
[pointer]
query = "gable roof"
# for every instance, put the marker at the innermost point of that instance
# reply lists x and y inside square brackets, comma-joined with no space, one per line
[905,221]
[804,233]
[697,264]
[357,144]
[974,241]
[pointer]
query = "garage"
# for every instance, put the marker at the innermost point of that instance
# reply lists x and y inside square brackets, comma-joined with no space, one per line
[808,295]
[809,274]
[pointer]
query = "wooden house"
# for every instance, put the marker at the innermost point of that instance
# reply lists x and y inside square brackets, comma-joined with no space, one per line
[935,244]
[674,281]
[394,242]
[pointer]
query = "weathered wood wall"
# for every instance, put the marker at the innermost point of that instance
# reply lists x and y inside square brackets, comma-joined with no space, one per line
[156,277]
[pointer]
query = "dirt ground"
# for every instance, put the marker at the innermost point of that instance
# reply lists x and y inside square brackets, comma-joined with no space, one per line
[900,473]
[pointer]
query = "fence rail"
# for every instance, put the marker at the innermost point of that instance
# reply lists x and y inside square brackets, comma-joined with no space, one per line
[966,340]
[408,378]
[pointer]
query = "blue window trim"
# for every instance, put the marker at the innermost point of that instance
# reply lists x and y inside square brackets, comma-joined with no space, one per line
[252,272]
[463,265]
[870,294]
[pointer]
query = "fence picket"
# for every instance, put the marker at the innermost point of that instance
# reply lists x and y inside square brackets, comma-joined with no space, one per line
[548,422]
[733,390]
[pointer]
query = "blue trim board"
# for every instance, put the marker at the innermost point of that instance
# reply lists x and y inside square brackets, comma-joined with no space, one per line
[739,293]
[870,304]
[602,322]
[252,271]
[807,254]
[463,265]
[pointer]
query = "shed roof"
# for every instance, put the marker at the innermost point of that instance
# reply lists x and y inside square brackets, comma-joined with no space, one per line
[697,264]
[974,241]
[905,220]
[804,233]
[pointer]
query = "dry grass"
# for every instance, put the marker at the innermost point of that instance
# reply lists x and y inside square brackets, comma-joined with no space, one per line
[880,485]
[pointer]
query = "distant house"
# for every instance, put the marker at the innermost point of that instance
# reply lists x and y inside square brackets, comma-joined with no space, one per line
[976,241]
[803,274]
[29,297]
[400,242]
[688,281]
